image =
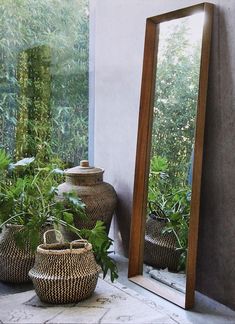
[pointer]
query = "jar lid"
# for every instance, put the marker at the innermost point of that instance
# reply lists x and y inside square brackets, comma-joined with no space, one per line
[83,169]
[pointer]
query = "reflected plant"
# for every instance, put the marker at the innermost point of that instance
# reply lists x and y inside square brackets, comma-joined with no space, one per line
[173,204]
[176,207]
[175,100]
[158,178]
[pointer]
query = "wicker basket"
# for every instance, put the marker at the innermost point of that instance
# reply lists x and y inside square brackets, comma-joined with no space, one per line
[99,197]
[64,272]
[160,249]
[15,262]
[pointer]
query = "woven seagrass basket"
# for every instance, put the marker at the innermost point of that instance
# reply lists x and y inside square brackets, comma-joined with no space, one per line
[64,272]
[160,249]
[99,197]
[15,262]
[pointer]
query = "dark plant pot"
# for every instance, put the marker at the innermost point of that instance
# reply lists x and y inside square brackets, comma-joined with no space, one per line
[160,249]
[15,263]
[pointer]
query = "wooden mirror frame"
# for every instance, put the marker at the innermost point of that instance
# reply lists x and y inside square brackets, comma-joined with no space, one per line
[136,249]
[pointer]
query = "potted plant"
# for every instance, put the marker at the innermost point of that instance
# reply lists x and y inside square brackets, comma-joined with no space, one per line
[28,205]
[176,208]
[168,221]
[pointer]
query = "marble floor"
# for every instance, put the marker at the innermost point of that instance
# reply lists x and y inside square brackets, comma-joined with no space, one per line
[174,280]
[120,302]
[205,310]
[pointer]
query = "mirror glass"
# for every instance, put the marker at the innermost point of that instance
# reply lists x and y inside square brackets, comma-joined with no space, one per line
[172,150]
[169,154]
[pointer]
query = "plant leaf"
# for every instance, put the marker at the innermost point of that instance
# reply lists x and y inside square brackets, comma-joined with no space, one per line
[4,160]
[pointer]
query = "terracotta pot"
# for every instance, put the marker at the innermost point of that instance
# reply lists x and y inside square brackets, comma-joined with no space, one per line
[100,197]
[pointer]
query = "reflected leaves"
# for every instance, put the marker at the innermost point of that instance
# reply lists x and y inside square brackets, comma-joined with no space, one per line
[174,113]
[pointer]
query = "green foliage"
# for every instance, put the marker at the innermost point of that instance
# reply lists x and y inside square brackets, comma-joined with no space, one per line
[171,203]
[157,178]
[175,106]
[176,207]
[44,110]
[158,164]
[4,160]
[101,244]
[176,101]
[33,127]
[53,86]
[28,197]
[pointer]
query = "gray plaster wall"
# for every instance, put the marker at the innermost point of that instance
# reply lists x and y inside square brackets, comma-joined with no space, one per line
[216,251]
[117,38]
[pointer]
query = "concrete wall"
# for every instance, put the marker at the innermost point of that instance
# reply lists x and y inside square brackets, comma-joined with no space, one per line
[118,43]
[216,253]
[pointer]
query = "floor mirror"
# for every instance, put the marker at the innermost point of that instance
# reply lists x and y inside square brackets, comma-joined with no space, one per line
[166,202]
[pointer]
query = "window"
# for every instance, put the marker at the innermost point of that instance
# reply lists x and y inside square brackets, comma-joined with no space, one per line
[44,77]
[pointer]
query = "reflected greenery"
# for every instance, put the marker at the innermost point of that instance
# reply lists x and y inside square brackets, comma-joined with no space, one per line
[176,101]
[172,203]
[175,104]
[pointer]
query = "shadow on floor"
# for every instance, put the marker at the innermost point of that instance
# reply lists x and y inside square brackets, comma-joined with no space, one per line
[11,288]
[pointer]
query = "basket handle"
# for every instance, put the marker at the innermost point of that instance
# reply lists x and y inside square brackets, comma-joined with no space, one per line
[84,242]
[61,238]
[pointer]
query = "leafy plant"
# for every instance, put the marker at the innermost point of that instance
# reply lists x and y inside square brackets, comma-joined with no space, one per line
[175,101]
[176,207]
[172,203]
[28,197]
[42,93]
[101,244]
[4,161]
[157,177]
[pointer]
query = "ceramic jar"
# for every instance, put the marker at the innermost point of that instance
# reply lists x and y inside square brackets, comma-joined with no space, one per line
[100,197]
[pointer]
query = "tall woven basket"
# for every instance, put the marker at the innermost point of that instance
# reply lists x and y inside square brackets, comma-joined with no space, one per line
[15,263]
[99,197]
[64,272]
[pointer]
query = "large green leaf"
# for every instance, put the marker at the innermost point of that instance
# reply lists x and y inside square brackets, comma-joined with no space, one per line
[4,160]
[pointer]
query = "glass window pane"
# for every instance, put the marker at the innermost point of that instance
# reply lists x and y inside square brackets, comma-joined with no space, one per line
[44,77]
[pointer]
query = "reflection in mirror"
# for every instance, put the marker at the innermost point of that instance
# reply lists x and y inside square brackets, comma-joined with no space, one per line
[171,161]
[166,199]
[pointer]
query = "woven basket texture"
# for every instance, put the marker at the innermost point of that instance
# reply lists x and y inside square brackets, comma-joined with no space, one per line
[100,203]
[62,275]
[15,262]
[160,249]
